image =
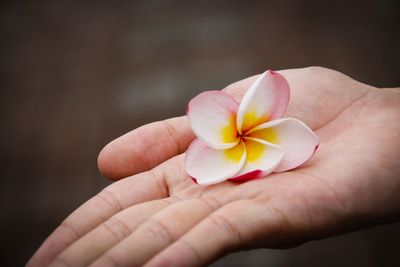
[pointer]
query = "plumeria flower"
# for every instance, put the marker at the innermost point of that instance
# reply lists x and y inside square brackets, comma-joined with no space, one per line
[246,141]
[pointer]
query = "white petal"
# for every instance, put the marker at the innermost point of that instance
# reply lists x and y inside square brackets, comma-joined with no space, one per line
[210,166]
[212,116]
[297,140]
[267,99]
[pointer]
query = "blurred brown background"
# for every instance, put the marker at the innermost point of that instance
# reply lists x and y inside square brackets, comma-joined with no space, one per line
[75,75]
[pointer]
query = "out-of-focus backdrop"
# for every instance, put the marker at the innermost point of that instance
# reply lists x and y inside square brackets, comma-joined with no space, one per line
[75,75]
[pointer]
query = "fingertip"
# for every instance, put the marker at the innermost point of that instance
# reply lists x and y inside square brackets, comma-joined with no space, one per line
[144,148]
[106,163]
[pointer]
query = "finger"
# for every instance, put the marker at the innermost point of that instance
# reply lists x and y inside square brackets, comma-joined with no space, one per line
[228,228]
[95,243]
[145,147]
[121,225]
[116,197]
[158,232]
[152,144]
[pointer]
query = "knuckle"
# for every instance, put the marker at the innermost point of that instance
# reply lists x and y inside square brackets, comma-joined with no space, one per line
[108,260]
[211,202]
[60,262]
[318,72]
[117,228]
[161,177]
[224,224]
[108,197]
[195,254]
[316,69]
[158,230]
[67,226]
[173,134]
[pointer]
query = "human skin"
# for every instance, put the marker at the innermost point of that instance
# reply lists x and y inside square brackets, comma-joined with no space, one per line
[155,215]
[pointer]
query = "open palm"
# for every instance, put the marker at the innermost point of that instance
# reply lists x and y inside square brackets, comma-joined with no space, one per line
[160,217]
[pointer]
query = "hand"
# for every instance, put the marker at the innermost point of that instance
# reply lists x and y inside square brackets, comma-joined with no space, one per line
[160,217]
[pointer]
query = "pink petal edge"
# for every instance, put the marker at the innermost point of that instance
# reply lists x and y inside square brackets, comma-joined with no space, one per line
[205,92]
[283,97]
[256,174]
[208,113]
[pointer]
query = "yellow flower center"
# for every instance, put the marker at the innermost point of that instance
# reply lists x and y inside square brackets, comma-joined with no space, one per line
[254,149]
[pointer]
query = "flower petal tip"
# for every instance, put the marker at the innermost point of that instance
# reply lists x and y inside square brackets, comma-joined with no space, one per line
[193,179]
[266,99]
